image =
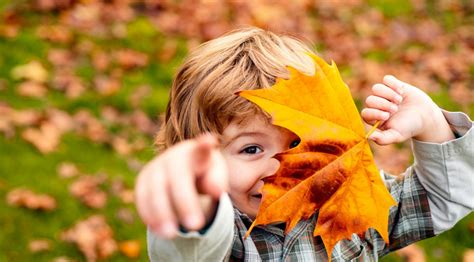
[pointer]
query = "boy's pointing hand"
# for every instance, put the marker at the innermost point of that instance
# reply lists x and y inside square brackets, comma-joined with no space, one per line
[182,186]
[405,112]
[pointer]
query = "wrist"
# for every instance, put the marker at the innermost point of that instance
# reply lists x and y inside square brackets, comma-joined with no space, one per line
[436,128]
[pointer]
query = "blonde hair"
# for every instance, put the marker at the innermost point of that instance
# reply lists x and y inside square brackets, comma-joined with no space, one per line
[202,98]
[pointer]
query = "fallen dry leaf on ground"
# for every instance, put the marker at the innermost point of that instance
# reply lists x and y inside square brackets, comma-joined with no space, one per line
[33,71]
[127,196]
[63,259]
[87,190]
[100,60]
[168,50]
[39,245]
[67,170]
[106,85]
[46,138]
[111,115]
[24,118]
[412,253]
[121,145]
[141,92]
[6,125]
[93,236]
[332,169]
[129,59]
[49,5]
[89,126]
[32,89]
[130,248]
[142,122]
[125,215]
[134,164]
[10,119]
[61,58]
[119,189]
[461,93]
[10,23]
[21,197]
[60,119]
[66,81]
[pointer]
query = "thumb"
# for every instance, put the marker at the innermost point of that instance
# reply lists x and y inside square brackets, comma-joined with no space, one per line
[386,137]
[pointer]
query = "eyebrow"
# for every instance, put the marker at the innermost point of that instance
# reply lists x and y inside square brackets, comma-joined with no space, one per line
[232,139]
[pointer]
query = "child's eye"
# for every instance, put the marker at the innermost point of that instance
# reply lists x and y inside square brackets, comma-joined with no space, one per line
[251,150]
[295,143]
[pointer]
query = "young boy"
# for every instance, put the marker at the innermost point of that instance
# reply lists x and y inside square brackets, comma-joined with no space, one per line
[199,196]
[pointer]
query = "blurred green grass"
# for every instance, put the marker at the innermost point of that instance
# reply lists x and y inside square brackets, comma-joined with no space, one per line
[21,165]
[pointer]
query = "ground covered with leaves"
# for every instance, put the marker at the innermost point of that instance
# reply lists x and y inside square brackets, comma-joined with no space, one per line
[82,85]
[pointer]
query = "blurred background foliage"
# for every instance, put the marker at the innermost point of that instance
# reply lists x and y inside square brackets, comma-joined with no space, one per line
[83,84]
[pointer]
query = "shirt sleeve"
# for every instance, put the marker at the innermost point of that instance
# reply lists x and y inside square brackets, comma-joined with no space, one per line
[446,171]
[432,195]
[212,245]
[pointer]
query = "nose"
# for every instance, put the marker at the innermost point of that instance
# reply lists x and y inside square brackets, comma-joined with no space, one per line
[272,166]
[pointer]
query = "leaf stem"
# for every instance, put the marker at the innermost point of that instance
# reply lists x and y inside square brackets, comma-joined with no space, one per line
[372,129]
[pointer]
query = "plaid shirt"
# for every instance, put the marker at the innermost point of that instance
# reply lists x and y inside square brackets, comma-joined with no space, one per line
[409,222]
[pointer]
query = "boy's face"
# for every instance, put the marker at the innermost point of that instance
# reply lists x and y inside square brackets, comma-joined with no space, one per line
[249,148]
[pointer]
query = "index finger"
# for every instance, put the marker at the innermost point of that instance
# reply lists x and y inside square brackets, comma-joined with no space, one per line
[183,191]
[201,154]
[394,83]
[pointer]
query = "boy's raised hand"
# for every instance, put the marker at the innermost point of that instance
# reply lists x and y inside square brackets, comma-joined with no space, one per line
[181,186]
[405,112]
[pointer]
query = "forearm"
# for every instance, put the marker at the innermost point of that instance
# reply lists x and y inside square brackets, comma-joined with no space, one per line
[212,245]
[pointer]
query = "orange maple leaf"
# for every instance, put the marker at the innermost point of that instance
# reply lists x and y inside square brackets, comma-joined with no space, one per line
[332,169]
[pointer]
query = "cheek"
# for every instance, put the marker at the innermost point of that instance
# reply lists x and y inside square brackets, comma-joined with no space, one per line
[242,177]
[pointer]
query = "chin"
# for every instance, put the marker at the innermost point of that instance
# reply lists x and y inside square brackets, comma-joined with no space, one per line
[254,206]
[248,206]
